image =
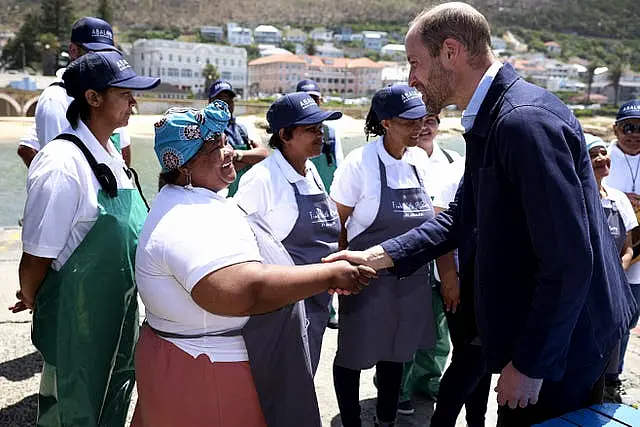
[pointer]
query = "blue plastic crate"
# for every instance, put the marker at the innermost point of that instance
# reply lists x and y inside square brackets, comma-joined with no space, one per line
[604,415]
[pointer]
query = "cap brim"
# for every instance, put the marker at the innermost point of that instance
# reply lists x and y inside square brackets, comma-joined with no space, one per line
[213,95]
[318,117]
[634,116]
[314,93]
[417,112]
[99,47]
[138,83]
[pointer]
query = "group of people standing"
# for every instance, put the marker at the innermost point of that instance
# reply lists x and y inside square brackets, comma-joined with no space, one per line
[508,252]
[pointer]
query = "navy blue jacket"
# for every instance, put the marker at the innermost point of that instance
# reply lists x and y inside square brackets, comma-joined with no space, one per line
[549,291]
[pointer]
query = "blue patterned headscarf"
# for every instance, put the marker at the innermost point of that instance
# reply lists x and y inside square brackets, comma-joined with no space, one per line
[181,132]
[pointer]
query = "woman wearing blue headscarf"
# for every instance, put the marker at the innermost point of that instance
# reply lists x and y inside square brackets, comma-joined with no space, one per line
[224,342]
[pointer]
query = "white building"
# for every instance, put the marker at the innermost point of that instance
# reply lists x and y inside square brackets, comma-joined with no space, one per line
[295,35]
[374,40]
[394,51]
[239,36]
[328,50]
[181,63]
[395,73]
[321,34]
[267,34]
[212,33]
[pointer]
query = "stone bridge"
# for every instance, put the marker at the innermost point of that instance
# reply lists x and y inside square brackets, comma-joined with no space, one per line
[18,102]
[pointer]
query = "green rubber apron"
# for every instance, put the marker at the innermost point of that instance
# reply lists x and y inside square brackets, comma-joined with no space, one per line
[85,321]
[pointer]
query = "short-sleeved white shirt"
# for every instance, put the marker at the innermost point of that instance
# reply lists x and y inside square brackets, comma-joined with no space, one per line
[188,234]
[356,182]
[624,206]
[125,139]
[62,195]
[51,113]
[30,139]
[443,176]
[267,189]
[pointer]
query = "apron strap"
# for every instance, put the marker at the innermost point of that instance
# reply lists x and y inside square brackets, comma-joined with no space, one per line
[103,173]
[165,334]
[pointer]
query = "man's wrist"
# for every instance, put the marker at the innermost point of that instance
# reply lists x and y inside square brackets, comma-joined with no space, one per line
[377,258]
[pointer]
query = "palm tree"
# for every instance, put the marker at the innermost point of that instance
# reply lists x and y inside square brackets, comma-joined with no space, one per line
[616,70]
[210,74]
[591,68]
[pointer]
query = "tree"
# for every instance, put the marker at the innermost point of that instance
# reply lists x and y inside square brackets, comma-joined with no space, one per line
[21,51]
[591,68]
[57,18]
[616,70]
[104,11]
[310,47]
[290,46]
[210,74]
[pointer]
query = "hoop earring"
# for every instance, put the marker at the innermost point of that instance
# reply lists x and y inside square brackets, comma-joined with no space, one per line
[189,186]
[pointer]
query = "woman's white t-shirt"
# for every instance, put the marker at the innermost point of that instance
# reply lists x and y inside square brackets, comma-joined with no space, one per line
[62,195]
[267,189]
[188,234]
[356,182]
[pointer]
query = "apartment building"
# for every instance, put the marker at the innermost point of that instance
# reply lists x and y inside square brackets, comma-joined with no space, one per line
[181,63]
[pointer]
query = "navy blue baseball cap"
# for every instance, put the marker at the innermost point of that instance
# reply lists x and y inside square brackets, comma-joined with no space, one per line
[309,86]
[398,101]
[101,70]
[93,34]
[297,109]
[220,86]
[629,110]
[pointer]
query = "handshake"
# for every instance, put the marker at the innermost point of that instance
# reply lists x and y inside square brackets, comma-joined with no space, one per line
[352,270]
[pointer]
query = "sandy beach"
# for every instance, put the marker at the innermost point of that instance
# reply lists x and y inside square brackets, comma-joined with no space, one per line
[141,126]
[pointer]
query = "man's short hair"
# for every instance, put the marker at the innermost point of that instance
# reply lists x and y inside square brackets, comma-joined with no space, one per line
[454,20]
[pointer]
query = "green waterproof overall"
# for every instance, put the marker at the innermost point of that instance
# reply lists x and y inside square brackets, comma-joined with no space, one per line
[85,321]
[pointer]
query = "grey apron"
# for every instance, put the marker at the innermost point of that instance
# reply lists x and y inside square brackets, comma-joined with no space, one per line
[391,318]
[313,236]
[616,224]
[278,349]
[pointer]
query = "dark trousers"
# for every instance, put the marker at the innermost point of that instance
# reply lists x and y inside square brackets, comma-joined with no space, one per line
[465,382]
[347,385]
[577,389]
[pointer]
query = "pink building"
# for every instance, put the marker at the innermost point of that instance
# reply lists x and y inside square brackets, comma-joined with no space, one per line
[339,76]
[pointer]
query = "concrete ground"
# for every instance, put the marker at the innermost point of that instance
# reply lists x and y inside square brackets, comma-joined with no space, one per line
[20,364]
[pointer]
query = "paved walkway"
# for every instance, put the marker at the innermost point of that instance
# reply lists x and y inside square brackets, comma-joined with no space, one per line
[20,364]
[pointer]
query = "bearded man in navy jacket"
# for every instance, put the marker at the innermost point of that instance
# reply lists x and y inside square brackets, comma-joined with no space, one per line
[535,251]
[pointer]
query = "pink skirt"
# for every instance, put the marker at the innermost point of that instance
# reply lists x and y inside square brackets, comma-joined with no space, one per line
[174,389]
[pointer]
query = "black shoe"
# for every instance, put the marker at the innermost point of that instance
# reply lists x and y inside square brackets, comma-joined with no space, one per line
[406,408]
[613,392]
[377,423]
[333,324]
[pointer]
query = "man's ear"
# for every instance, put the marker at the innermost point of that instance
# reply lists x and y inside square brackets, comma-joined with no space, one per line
[385,124]
[93,98]
[451,51]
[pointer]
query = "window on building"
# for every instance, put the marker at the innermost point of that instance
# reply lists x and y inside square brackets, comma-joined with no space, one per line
[163,72]
[173,72]
[142,56]
[197,59]
[233,63]
[158,72]
[217,62]
[224,62]
[342,81]
[179,58]
[208,62]
[170,57]
[188,60]
[185,72]
[161,57]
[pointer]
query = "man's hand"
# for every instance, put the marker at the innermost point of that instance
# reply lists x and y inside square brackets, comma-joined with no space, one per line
[22,304]
[516,389]
[349,279]
[374,257]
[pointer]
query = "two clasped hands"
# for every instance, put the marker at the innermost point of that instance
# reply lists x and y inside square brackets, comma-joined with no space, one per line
[514,388]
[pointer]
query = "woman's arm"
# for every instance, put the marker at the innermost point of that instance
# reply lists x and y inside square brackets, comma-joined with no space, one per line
[450,287]
[32,271]
[254,288]
[626,254]
[344,212]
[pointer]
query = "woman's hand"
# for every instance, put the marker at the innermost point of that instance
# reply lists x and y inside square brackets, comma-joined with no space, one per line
[22,304]
[450,292]
[349,279]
